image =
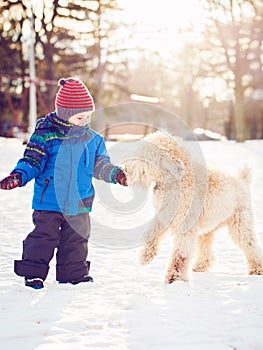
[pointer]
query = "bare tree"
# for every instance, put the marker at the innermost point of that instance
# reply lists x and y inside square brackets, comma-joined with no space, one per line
[71,39]
[234,50]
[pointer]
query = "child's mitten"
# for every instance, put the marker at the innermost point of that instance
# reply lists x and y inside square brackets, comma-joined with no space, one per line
[121,178]
[11,181]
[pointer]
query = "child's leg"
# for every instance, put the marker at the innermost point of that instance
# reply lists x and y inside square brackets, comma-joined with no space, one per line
[73,248]
[39,245]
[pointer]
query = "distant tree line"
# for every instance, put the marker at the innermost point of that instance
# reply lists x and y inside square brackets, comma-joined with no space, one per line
[87,39]
[70,39]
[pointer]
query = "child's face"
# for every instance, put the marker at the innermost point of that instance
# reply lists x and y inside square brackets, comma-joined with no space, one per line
[80,119]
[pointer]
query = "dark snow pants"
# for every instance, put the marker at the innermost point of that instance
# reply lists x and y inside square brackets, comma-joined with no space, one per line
[69,234]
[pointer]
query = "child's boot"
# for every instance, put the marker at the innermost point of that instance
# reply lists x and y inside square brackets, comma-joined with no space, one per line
[36,282]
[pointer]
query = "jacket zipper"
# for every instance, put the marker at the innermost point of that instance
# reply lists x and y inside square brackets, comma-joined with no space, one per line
[47,181]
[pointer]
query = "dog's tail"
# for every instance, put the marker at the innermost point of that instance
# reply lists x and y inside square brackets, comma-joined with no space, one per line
[245,174]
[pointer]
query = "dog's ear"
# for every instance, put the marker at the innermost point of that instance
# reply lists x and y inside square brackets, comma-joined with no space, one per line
[173,167]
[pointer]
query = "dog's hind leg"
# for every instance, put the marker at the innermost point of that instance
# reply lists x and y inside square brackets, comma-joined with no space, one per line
[205,257]
[240,228]
[181,257]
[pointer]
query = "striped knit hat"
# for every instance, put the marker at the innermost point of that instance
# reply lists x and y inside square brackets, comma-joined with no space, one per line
[72,98]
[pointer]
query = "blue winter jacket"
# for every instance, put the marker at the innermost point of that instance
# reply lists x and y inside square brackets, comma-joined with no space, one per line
[62,159]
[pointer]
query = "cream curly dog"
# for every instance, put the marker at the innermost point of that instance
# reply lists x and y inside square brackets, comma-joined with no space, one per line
[191,202]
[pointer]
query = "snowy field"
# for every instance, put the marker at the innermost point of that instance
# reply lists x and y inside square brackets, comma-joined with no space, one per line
[128,306]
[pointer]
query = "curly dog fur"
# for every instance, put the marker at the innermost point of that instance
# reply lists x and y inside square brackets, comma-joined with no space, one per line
[191,202]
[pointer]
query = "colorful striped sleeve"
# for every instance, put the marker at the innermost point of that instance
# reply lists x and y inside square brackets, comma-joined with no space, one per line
[104,169]
[34,158]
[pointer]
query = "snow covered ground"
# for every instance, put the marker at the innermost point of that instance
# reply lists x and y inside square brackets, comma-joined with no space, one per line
[128,306]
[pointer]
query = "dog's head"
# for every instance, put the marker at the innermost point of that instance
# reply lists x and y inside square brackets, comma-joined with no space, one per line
[150,164]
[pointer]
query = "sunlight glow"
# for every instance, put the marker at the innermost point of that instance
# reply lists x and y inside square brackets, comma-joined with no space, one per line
[160,24]
[141,98]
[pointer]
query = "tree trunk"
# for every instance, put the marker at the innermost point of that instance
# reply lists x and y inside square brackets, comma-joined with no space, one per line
[239,115]
[50,75]
[99,123]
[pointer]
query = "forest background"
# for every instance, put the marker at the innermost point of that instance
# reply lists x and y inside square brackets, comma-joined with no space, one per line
[207,70]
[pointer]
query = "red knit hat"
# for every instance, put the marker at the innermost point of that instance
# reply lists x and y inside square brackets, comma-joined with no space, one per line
[72,98]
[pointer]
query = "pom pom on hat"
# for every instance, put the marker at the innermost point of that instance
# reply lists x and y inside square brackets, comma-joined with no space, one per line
[72,98]
[61,81]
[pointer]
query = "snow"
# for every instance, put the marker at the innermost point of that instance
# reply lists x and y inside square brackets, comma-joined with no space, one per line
[129,306]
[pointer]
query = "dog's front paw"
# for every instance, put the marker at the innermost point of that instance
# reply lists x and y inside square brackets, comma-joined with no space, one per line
[172,277]
[145,258]
[178,269]
[255,270]
[148,252]
[146,255]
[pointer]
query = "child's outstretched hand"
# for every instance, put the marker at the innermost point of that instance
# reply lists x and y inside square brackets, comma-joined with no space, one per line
[11,181]
[121,178]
